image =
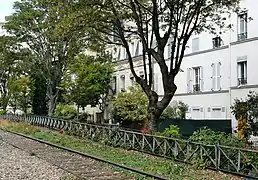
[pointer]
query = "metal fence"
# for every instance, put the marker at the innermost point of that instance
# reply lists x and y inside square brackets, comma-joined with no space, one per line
[224,158]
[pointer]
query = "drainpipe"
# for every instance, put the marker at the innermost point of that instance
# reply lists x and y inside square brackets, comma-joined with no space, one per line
[230,79]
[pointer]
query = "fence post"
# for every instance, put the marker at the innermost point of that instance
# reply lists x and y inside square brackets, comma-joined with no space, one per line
[217,156]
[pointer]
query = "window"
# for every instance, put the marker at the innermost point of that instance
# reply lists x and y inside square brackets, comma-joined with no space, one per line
[141,74]
[242,72]
[197,112]
[196,86]
[216,42]
[195,44]
[216,77]
[132,49]
[216,112]
[132,79]
[122,79]
[137,49]
[242,26]
[119,54]
[113,84]
[125,53]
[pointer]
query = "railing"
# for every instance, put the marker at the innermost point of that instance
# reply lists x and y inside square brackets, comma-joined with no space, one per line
[242,81]
[230,159]
[196,88]
[242,36]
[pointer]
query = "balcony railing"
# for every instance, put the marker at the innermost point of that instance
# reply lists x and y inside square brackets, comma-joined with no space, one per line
[196,88]
[242,81]
[242,36]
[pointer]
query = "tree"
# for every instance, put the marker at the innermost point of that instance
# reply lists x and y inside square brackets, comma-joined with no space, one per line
[246,112]
[131,106]
[88,79]
[35,24]
[11,66]
[21,93]
[156,24]
[39,100]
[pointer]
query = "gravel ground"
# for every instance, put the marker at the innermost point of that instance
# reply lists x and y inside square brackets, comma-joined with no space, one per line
[16,164]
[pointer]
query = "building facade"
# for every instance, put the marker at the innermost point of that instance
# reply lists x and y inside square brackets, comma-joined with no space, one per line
[215,69]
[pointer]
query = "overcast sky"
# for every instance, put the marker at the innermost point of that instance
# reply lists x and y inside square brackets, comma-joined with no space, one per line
[6,8]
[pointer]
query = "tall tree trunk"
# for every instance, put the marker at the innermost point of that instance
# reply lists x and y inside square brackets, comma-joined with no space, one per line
[51,105]
[52,95]
[156,107]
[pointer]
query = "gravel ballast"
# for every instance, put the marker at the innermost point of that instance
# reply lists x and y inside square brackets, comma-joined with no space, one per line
[16,164]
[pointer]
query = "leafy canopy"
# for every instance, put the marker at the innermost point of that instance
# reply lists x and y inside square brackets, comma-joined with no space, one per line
[87,79]
[131,105]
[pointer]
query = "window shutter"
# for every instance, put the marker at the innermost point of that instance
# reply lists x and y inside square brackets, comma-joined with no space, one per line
[201,79]
[213,76]
[119,54]
[156,83]
[188,80]
[137,49]
[218,76]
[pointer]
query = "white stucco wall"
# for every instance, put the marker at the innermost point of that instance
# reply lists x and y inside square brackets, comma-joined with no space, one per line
[227,55]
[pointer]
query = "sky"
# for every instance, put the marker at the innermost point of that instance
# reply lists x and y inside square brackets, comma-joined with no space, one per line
[6,8]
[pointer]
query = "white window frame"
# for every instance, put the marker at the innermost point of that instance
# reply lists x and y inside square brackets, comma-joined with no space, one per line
[122,80]
[242,25]
[242,61]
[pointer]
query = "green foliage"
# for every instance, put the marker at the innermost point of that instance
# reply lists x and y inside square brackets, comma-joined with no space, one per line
[177,110]
[3,112]
[87,79]
[65,112]
[151,164]
[246,112]
[36,23]
[209,137]
[131,105]
[21,93]
[11,66]
[171,131]
[39,103]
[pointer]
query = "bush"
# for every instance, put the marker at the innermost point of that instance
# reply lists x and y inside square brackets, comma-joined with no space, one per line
[175,111]
[171,131]
[130,106]
[209,137]
[3,112]
[64,111]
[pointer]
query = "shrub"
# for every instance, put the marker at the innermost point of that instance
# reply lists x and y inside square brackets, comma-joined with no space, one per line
[131,105]
[171,131]
[209,137]
[65,111]
[176,110]
[3,112]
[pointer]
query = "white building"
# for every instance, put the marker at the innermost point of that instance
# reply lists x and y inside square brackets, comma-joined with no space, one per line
[215,69]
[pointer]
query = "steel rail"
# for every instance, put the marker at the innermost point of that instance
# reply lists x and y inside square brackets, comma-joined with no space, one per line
[91,156]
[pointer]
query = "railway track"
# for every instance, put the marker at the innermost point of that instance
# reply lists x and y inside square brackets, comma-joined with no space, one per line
[81,165]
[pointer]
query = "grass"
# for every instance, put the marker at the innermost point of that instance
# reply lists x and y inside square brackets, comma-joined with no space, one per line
[147,163]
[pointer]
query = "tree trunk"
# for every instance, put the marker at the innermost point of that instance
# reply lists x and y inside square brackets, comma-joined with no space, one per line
[157,107]
[51,106]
